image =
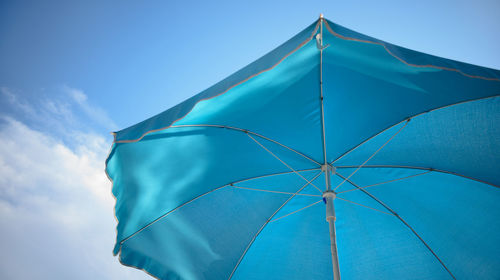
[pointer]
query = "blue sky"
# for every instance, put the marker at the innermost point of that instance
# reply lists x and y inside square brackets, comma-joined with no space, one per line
[71,72]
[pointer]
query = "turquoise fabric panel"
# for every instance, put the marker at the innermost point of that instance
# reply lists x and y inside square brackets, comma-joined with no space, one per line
[282,104]
[204,239]
[461,138]
[171,167]
[415,57]
[374,245]
[368,90]
[457,217]
[169,116]
[293,247]
[288,182]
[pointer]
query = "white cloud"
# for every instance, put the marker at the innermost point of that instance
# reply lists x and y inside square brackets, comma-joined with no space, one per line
[92,112]
[56,207]
[49,163]
[13,100]
[61,111]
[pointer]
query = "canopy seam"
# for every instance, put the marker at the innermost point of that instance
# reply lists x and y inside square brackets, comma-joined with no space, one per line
[321,48]
[404,61]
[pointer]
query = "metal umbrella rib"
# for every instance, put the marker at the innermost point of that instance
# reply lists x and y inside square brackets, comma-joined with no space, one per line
[401,219]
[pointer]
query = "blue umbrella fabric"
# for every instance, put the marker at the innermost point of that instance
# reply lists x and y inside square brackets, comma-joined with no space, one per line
[336,155]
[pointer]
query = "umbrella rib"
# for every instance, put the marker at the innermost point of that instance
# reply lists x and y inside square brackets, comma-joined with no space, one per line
[407,119]
[267,222]
[264,147]
[386,182]
[169,212]
[203,194]
[380,148]
[365,206]
[249,132]
[296,211]
[422,168]
[271,191]
[274,174]
[401,219]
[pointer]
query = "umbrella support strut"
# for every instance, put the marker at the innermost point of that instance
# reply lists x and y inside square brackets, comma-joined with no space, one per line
[329,197]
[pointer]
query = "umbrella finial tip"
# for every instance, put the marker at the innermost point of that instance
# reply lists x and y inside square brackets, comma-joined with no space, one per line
[321,15]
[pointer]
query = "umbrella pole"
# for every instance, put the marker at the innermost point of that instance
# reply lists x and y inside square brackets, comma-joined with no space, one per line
[329,194]
[329,197]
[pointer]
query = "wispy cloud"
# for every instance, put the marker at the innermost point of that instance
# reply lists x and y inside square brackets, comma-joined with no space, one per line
[95,113]
[14,100]
[56,207]
[62,111]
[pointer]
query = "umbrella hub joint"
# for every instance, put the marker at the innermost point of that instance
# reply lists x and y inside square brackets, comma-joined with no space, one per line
[329,168]
[329,194]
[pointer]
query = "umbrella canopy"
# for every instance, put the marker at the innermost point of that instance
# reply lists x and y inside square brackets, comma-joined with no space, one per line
[334,155]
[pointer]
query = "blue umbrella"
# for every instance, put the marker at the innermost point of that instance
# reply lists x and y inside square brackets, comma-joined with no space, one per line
[336,155]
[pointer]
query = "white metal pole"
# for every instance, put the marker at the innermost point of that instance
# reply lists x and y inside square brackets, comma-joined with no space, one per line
[329,196]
